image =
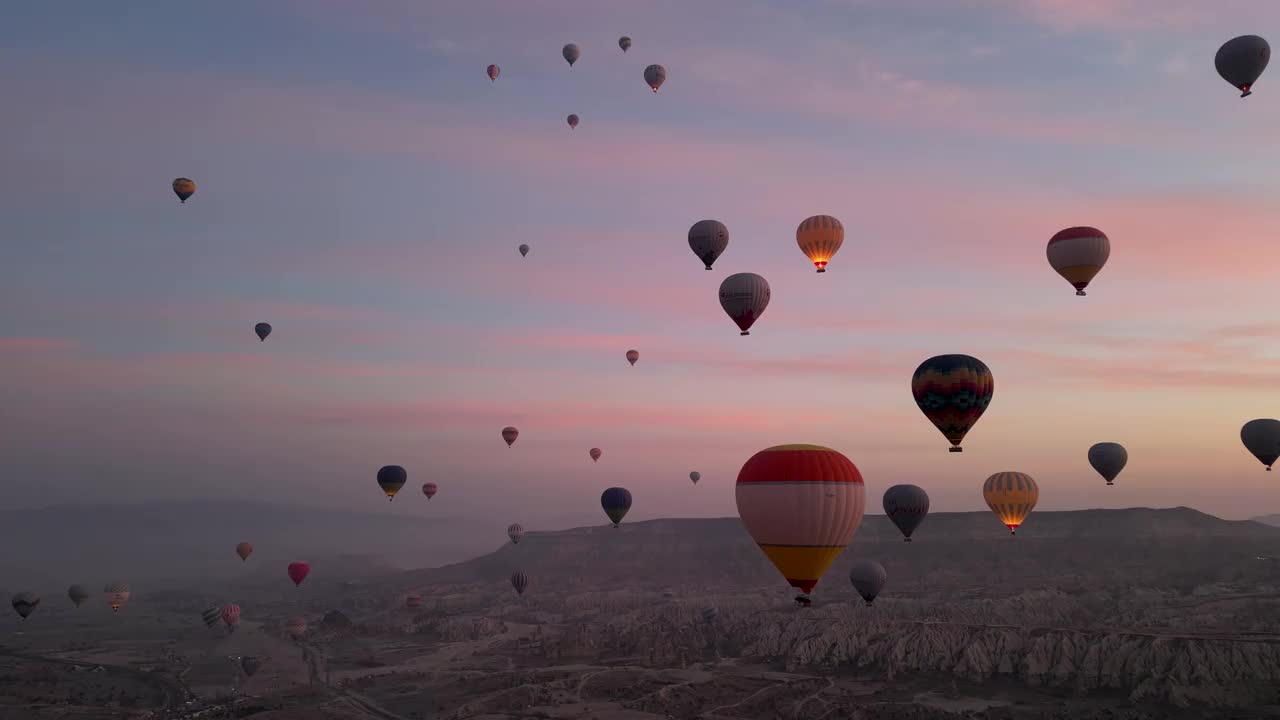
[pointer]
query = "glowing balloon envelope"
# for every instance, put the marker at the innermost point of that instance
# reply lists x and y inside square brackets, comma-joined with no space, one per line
[117,594]
[744,297]
[1011,496]
[819,238]
[953,391]
[801,504]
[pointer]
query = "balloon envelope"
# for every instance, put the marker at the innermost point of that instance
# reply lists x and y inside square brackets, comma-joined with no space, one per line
[262,330]
[231,614]
[1241,60]
[515,531]
[244,550]
[655,75]
[695,476]
[298,572]
[24,603]
[707,239]
[391,478]
[493,71]
[744,296]
[78,594]
[250,665]
[616,502]
[510,434]
[1108,459]
[624,42]
[184,188]
[595,454]
[1077,254]
[297,627]
[868,578]
[571,53]
[633,356]
[819,238]
[430,490]
[1011,496]
[573,121]
[709,614]
[117,594]
[413,600]
[906,506]
[519,581]
[211,616]
[801,504]
[1262,438]
[953,391]
[524,250]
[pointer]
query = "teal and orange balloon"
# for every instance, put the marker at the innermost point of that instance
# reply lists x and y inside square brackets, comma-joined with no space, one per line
[953,391]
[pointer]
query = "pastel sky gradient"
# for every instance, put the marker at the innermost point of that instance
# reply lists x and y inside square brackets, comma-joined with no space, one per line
[363,187]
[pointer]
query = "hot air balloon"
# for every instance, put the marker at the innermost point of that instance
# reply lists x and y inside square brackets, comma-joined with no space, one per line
[391,478]
[695,476]
[1241,60]
[262,330]
[595,454]
[1262,438]
[510,434]
[868,578]
[430,490]
[211,616]
[244,550]
[25,603]
[184,188]
[1108,459]
[78,594]
[801,504]
[571,53]
[633,356]
[573,121]
[655,75]
[298,572]
[744,296]
[297,627]
[117,594]
[231,615]
[906,506]
[953,391]
[519,581]
[709,615]
[624,42]
[413,600]
[820,237]
[1011,496]
[616,502]
[1077,254]
[494,71]
[707,239]
[250,665]
[524,250]
[515,531]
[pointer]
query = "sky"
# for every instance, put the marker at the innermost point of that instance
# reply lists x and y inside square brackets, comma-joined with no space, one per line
[363,187]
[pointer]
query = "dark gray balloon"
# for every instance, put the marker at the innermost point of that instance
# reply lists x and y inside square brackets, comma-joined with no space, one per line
[262,330]
[25,603]
[571,53]
[1241,60]
[709,614]
[78,594]
[906,506]
[250,664]
[868,578]
[524,250]
[1262,438]
[211,616]
[707,239]
[1108,459]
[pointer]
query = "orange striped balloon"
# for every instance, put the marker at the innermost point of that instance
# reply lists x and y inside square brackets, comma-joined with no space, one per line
[820,237]
[1011,496]
[801,504]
